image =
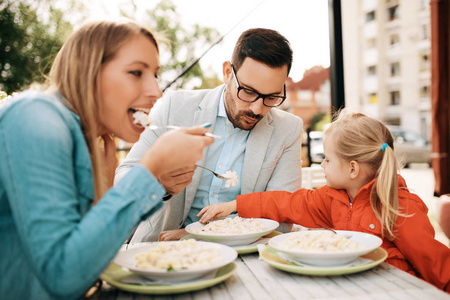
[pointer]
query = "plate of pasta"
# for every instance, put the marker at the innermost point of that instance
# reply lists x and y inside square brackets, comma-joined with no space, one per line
[232,231]
[324,247]
[176,261]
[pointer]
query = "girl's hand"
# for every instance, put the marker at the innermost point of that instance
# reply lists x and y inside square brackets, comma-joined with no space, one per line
[218,210]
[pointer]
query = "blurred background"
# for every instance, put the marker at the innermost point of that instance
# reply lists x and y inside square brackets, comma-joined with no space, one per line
[380,48]
[386,53]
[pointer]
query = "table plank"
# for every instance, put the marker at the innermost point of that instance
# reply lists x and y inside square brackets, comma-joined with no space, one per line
[256,279]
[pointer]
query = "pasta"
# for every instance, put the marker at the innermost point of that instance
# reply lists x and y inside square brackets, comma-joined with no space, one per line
[141,118]
[174,256]
[232,178]
[325,241]
[236,225]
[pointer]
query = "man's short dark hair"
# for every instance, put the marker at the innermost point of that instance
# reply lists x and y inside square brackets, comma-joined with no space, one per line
[263,45]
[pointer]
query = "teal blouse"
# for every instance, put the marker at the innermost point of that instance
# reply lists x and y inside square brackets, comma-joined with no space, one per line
[55,244]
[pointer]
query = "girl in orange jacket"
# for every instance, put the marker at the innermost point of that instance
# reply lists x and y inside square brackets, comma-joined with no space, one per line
[363,193]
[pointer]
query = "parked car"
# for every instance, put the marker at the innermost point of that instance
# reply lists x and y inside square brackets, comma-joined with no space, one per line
[316,140]
[410,147]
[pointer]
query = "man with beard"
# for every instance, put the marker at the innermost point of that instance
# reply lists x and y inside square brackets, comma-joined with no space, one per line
[262,145]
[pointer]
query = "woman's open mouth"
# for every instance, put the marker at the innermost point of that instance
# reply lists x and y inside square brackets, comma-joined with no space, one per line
[139,116]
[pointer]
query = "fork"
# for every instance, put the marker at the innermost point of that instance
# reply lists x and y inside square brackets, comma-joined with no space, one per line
[348,236]
[215,174]
[153,127]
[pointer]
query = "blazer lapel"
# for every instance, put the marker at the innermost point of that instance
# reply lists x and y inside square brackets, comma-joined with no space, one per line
[206,113]
[257,145]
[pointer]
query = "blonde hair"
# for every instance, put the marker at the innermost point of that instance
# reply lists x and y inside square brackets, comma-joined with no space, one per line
[75,74]
[360,138]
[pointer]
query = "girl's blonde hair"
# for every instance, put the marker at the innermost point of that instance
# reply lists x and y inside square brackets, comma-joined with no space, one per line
[361,138]
[75,74]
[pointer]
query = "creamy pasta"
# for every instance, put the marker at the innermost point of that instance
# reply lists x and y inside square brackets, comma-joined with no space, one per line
[232,178]
[141,118]
[325,241]
[173,256]
[236,225]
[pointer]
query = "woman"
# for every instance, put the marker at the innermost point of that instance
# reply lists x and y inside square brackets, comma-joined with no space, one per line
[53,169]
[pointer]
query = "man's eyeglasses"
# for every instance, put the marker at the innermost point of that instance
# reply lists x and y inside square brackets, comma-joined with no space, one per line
[248,95]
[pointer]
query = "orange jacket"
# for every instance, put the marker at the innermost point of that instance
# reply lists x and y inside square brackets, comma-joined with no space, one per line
[415,250]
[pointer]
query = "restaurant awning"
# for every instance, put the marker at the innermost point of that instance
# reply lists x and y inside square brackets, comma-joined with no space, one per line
[440,97]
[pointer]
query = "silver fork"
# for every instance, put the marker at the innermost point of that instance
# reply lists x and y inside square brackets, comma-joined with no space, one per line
[153,127]
[215,174]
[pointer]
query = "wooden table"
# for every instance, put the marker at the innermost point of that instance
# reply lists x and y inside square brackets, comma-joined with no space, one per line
[256,279]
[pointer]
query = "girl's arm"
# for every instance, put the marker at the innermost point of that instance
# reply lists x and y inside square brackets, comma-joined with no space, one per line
[415,239]
[304,207]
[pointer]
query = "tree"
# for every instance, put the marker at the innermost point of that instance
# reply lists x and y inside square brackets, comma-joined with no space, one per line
[180,45]
[28,43]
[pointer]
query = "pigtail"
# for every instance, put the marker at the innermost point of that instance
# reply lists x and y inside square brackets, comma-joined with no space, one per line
[385,202]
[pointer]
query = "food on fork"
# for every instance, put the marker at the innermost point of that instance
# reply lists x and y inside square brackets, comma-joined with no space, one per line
[180,255]
[232,179]
[322,241]
[236,225]
[141,118]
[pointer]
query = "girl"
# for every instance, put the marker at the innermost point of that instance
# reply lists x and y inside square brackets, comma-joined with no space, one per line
[53,170]
[363,193]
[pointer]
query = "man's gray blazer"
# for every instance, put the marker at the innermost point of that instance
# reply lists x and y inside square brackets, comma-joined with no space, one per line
[272,156]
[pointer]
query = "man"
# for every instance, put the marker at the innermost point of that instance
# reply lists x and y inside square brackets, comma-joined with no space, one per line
[262,145]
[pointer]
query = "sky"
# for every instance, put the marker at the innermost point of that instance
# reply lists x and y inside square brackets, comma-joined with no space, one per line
[303,22]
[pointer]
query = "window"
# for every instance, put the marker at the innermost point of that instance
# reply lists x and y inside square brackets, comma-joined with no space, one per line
[372,70]
[424,32]
[424,62]
[394,39]
[370,16]
[395,69]
[373,99]
[425,91]
[371,43]
[395,97]
[393,13]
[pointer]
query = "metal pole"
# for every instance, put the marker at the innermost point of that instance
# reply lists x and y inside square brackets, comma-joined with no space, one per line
[336,55]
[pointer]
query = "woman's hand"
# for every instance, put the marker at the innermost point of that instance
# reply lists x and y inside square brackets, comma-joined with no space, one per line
[176,149]
[218,210]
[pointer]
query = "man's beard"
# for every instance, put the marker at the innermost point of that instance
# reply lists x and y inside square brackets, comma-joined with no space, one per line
[236,117]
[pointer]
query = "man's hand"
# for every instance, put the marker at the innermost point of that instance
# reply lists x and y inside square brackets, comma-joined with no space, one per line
[172,235]
[174,182]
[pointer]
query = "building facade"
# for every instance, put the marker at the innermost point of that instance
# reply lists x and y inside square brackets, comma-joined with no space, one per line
[387,61]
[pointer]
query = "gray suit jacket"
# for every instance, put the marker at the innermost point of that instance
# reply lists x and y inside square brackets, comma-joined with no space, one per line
[272,157]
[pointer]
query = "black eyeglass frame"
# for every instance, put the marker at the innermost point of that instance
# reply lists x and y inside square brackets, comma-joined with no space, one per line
[263,96]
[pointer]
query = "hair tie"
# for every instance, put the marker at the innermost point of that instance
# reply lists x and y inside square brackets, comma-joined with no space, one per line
[384,146]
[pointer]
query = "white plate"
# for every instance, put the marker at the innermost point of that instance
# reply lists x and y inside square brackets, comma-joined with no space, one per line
[233,239]
[127,260]
[368,241]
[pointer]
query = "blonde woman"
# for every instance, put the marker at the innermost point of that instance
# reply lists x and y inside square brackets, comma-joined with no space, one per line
[53,168]
[364,193]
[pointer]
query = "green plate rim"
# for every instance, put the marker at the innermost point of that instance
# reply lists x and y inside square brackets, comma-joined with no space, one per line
[114,274]
[270,256]
[240,249]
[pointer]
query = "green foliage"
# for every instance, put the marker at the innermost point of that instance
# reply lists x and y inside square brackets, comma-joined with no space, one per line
[32,32]
[27,43]
[319,120]
[184,45]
